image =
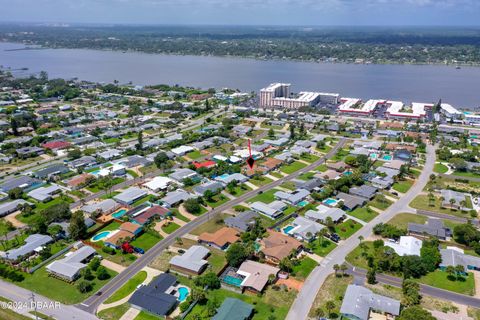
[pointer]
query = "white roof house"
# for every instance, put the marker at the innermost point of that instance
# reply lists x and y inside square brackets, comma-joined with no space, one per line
[180,151]
[407,246]
[70,266]
[193,260]
[158,183]
[265,209]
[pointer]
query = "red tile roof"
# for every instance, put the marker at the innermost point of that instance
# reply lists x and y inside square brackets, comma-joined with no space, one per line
[205,164]
[149,213]
[56,145]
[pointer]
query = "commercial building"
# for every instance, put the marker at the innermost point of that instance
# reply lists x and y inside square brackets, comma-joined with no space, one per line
[450,112]
[279,95]
[397,110]
[354,107]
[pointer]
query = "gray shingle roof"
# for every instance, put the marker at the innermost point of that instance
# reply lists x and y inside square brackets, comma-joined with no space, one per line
[358,301]
[192,259]
[242,221]
[32,242]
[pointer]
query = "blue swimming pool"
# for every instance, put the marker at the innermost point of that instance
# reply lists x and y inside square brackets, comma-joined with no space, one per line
[233,281]
[373,156]
[224,176]
[287,229]
[100,236]
[347,173]
[387,157]
[119,213]
[182,293]
[330,202]
[303,203]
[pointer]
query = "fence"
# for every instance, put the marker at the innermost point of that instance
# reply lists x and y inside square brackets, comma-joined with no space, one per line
[53,257]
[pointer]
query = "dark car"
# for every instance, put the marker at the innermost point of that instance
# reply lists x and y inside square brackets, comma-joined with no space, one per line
[99,293]
[139,250]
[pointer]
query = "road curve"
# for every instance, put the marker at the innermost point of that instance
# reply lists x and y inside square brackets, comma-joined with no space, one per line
[312,285]
[92,303]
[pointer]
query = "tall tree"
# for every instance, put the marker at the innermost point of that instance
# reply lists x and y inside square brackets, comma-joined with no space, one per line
[77,227]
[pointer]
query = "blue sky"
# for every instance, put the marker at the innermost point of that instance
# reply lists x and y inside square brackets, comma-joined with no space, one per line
[246,12]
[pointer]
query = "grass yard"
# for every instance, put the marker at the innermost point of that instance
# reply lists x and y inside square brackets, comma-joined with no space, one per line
[145,316]
[365,213]
[290,185]
[422,202]
[162,261]
[211,225]
[276,174]
[308,157]
[114,313]
[132,173]
[194,155]
[440,280]
[128,287]
[402,186]
[380,202]
[170,227]
[321,168]
[347,228]
[59,290]
[440,168]
[306,176]
[266,197]
[466,174]
[216,260]
[146,240]
[239,190]
[93,187]
[356,258]
[292,167]
[302,270]
[401,220]
[333,289]
[260,181]
[322,248]
[217,200]
[177,215]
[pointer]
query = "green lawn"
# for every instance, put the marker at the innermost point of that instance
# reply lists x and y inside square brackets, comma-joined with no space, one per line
[380,203]
[401,220]
[347,228]
[194,155]
[114,313]
[356,258]
[290,185]
[211,225]
[145,316]
[309,157]
[365,213]
[422,202]
[93,187]
[306,176]
[333,289]
[217,200]
[146,240]
[132,173]
[266,197]
[59,290]
[440,168]
[440,280]
[170,227]
[276,174]
[321,168]
[128,287]
[402,186]
[293,167]
[322,248]
[177,215]
[239,190]
[466,174]
[260,181]
[216,260]
[302,270]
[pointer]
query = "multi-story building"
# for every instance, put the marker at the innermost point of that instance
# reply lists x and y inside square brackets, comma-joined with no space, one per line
[278,95]
[397,110]
[354,107]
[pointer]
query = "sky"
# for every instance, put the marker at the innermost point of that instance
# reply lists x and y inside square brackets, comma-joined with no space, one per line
[246,12]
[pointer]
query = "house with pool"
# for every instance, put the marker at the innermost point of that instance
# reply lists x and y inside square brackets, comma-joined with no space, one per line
[251,276]
[278,246]
[160,297]
[127,231]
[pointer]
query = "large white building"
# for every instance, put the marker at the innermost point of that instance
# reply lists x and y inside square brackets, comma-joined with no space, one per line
[472,118]
[278,95]
[397,110]
[450,112]
[352,106]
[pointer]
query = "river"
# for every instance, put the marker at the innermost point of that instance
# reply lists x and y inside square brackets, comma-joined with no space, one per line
[419,83]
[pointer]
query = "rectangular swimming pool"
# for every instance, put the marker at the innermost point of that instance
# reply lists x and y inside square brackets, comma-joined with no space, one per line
[233,281]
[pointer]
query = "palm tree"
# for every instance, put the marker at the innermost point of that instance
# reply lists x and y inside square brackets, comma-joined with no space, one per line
[361,238]
[329,305]
[452,202]
[343,268]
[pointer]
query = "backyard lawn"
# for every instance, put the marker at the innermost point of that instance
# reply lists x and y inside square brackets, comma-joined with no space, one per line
[194,155]
[356,258]
[170,227]
[211,225]
[466,174]
[303,269]
[309,157]
[128,287]
[322,248]
[347,228]
[440,168]
[293,167]
[216,260]
[365,213]
[402,186]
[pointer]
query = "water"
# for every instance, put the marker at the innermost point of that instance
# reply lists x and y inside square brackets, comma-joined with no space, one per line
[182,293]
[100,236]
[403,82]
[119,213]
[288,229]
[330,202]
[232,281]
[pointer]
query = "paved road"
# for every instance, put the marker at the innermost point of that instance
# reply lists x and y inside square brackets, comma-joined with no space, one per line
[305,298]
[92,303]
[424,289]
[56,310]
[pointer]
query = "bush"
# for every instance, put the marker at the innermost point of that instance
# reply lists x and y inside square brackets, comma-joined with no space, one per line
[184,306]
[84,286]
[108,250]
[102,273]
[10,273]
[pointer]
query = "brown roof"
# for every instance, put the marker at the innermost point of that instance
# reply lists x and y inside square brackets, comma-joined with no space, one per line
[151,212]
[398,146]
[80,179]
[220,237]
[119,235]
[279,246]
[129,227]
[271,163]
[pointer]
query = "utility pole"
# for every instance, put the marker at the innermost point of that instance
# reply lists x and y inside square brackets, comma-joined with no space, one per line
[34,305]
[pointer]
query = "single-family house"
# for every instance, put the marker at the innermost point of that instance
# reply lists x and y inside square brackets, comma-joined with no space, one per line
[25,183]
[130,195]
[350,202]
[69,267]
[181,174]
[268,210]
[106,206]
[33,243]
[234,309]
[256,275]
[242,221]
[453,256]
[220,239]
[44,194]
[278,246]
[83,162]
[50,171]
[305,229]
[175,197]
[143,216]
[407,246]
[292,198]
[213,186]
[359,302]
[455,199]
[158,183]
[433,227]
[323,212]
[192,262]
[11,206]
[365,191]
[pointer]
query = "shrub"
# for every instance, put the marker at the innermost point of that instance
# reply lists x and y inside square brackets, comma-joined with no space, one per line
[84,286]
